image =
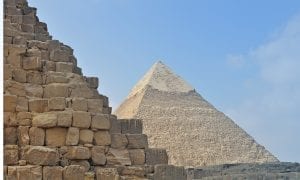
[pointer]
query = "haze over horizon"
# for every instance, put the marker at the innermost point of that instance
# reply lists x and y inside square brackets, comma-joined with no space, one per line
[243,57]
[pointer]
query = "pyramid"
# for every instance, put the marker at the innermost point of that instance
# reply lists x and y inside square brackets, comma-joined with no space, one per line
[179,119]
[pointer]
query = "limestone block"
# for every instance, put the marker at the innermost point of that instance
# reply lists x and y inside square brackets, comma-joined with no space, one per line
[83,163]
[27,28]
[15,88]
[38,44]
[28,19]
[10,119]
[34,78]
[115,125]
[169,172]
[49,65]
[72,136]
[10,135]
[44,120]
[135,171]
[11,154]
[41,155]
[10,103]
[79,104]
[93,82]
[73,172]
[59,56]
[56,77]
[118,157]
[119,141]
[81,90]
[32,63]
[57,103]
[101,121]
[29,172]
[37,136]
[34,90]
[137,141]
[19,75]
[86,136]
[52,173]
[56,90]
[137,156]
[78,152]
[156,156]
[11,173]
[81,119]
[14,60]
[64,67]
[102,138]
[131,126]
[24,118]
[7,71]
[89,175]
[53,44]
[98,155]
[95,105]
[20,40]
[56,136]
[64,119]
[22,104]
[107,174]
[38,105]
[23,136]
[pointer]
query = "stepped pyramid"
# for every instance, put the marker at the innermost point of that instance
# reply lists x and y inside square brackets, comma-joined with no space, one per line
[177,118]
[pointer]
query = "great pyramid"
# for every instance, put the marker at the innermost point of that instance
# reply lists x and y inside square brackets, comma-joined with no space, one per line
[177,118]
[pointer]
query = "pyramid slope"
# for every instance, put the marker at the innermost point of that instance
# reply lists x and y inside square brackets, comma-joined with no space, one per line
[191,129]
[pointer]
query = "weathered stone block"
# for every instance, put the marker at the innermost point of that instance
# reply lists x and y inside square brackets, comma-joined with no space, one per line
[56,136]
[19,75]
[98,155]
[137,141]
[56,77]
[131,126]
[49,65]
[102,138]
[81,90]
[86,136]
[11,154]
[81,119]
[34,78]
[93,82]
[10,103]
[107,174]
[59,56]
[83,163]
[89,175]
[10,135]
[64,119]
[72,136]
[95,105]
[28,19]
[135,171]
[115,125]
[56,90]
[38,105]
[7,71]
[10,119]
[137,156]
[37,136]
[24,118]
[79,104]
[22,104]
[34,90]
[14,60]
[64,67]
[40,155]
[169,172]
[57,103]
[38,44]
[118,157]
[29,172]
[32,63]
[156,156]
[78,152]
[101,121]
[52,173]
[23,136]
[119,141]
[44,120]
[73,172]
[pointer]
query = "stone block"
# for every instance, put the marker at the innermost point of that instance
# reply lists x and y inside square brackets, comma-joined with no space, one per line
[20,40]
[19,75]
[22,104]
[10,135]
[15,88]
[37,44]
[52,173]
[11,173]
[79,104]
[34,90]
[56,90]
[41,155]
[10,103]
[10,119]
[115,125]
[29,172]
[24,118]
[57,103]
[102,138]
[93,82]
[95,105]
[56,77]
[156,156]
[49,65]
[169,172]
[73,172]
[34,78]
[59,56]
[14,60]
[72,136]
[119,141]
[82,163]
[27,28]
[64,67]
[23,136]
[86,136]
[64,119]
[98,155]
[45,120]
[11,154]
[29,19]
[81,119]
[118,157]
[137,156]
[81,90]
[134,171]
[56,136]
[101,121]
[38,105]
[37,136]
[7,71]
[137,141]
[78,152]
[107,174]
[131,126]
[32,63]
[89,175]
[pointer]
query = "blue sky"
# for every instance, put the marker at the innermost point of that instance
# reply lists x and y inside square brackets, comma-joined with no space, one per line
[242,56]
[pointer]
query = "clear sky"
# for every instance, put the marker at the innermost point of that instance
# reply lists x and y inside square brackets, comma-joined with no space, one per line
[241,55]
